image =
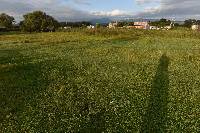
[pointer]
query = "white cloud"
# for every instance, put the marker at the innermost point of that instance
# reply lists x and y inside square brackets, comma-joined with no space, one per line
[56,8]
[85,2]
[179,9]
[141,2]
[62,10]
[112,13]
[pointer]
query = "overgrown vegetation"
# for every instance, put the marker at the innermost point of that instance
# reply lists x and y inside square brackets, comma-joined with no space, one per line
[39,21]
[75,24]
[161,23]
[100,80]
[188,23]
[6,22]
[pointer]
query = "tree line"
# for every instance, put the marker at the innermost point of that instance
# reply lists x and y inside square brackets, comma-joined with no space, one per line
[36,21]
[39,21]
[75,24]
[161,23]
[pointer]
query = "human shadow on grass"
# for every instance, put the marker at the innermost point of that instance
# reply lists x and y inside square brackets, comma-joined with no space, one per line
[155,119]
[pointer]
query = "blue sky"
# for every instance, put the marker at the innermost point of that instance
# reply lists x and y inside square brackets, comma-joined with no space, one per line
[89,9]
[107,5]
[131,6]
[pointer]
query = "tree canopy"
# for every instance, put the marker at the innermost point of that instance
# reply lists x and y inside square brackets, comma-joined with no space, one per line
[161,23]
[6,20]
[75,24]
[39,21]
[188,23]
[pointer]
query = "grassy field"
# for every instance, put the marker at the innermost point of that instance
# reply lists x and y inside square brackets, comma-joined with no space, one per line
[100,81]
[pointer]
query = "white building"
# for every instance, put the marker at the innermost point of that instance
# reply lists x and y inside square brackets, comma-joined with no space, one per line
[142,25]
[153,28]
[91,27]
[195,27]
[169,27]
[112,25]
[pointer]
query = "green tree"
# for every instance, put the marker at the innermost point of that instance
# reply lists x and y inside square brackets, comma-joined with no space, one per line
[121,24]
[98,25]
[164,22]
[188,23]
[161,23]
[39,21]
[6,20]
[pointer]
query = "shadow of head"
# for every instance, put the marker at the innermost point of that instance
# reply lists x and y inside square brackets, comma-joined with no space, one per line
[164,61]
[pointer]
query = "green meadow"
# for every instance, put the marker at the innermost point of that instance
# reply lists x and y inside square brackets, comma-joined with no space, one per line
[101,80]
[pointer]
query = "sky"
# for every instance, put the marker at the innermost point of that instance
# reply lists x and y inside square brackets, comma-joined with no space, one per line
[77,10]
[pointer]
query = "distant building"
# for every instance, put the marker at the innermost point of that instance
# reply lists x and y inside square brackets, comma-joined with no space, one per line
[90,27]
[154,28]
[142,25]
[113,25]
[169,27]
[138,25]
[195,27]
[67,27]
[130,27]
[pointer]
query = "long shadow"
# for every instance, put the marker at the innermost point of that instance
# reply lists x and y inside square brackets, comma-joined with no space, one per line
[155,119]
